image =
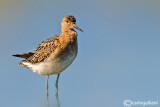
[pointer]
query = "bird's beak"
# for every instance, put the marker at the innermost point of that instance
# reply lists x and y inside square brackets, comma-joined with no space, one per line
[75,26]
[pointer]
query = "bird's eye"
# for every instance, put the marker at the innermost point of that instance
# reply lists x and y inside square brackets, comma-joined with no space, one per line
[67,21]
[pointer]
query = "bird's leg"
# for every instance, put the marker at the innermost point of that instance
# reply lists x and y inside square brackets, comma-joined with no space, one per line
[57,90]
[47,89]
[57,84]
[57,98]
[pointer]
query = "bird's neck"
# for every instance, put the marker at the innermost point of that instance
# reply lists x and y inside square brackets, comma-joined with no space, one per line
[69,35]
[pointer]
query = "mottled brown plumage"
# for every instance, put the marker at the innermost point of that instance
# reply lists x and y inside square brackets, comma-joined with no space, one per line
[55,54]
[58,51]
[44,50]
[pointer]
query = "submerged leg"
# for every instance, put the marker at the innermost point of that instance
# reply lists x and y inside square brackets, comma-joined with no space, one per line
[57,84]
[47,89]
[57,90]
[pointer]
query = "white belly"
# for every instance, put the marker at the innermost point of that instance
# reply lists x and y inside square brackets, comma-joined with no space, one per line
[52,66]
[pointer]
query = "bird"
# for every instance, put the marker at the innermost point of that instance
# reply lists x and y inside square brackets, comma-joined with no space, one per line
[54,55]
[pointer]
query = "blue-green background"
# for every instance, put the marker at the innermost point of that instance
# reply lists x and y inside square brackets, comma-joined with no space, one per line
[118,59]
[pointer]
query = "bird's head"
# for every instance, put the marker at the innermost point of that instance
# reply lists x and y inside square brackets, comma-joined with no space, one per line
[69,23]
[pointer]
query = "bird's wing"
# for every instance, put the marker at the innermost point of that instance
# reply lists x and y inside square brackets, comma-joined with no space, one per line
[44,49]
[25,55]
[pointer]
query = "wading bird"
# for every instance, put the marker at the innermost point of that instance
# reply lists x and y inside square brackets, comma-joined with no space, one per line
[55,54]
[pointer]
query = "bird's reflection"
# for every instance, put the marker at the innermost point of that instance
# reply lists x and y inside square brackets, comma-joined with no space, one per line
[57,98]
[57,101]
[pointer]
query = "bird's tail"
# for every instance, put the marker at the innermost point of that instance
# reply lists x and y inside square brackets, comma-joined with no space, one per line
[19,55]
[25,55]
